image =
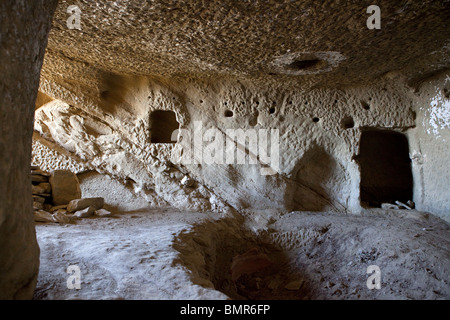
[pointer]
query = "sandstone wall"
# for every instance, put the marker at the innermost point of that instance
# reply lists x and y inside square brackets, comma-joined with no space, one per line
[310,69]
[318,129]
[430,147]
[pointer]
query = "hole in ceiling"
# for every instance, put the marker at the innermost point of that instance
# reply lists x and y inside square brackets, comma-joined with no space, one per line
[272,110]
[315,119]
[303,64]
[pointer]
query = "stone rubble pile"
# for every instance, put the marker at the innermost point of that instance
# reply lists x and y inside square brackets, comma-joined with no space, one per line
[57,198]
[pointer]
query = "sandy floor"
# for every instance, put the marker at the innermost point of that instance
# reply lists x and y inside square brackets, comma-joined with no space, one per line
[167,254]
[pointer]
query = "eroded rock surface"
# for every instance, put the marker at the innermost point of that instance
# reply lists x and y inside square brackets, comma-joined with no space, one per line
[24,30]
[65,187]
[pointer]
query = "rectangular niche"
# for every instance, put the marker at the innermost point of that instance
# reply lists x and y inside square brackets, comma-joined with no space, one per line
[162,125]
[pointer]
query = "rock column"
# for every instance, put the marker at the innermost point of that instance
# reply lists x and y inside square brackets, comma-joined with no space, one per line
[24,28]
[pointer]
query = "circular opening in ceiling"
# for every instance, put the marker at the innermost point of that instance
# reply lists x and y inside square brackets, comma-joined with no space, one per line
[272,110]
[315,119]
[303,64]
[306,63]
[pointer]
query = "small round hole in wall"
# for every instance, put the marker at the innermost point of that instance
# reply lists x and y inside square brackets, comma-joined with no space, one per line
[201,101]
[365,105]
[228,113]
[315,119]
[347,123]
[254,120]
[272,110]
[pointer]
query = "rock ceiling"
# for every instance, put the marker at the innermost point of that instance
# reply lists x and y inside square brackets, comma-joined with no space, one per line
[288,44]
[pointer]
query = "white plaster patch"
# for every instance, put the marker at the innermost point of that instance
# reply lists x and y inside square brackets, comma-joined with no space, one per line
[437,117]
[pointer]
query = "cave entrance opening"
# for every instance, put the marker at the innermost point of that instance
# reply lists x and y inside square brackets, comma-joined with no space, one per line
[162,125]
[385,165]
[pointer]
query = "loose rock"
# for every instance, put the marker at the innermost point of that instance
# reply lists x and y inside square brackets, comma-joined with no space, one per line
[55,208]
[65,187]
[42,216]
[38,178]
[38,199]
[87,212]
[38,205]
[80,204]
[103,213]
[402,205]
[39,172]
[46,187]
[389,206]
[61,218]
[37,190]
